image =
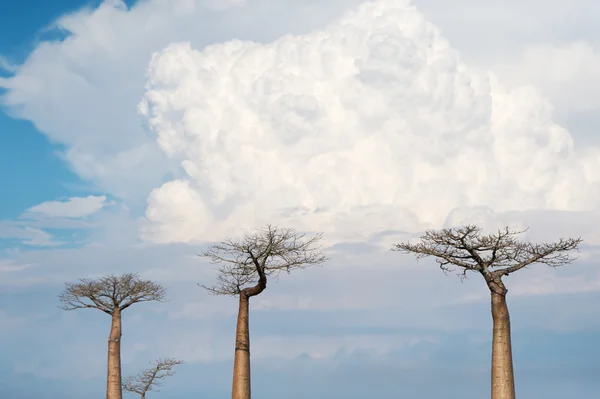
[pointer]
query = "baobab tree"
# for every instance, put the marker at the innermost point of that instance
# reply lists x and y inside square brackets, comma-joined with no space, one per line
[151,378]
[244,266]
[493,256]
[112,295]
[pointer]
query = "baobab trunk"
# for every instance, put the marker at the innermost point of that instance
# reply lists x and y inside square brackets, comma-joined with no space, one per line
[503,379]
[113,380]
[241,362]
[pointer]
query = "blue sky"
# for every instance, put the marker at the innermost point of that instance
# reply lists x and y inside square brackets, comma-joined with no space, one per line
[131,135]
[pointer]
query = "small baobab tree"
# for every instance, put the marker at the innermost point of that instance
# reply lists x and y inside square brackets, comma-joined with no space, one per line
[493,256]
[244,266]
[151,378]
[112,295]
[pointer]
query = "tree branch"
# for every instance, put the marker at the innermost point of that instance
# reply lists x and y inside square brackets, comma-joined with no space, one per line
[119,292]
[553,255]
[256,256]
[150,379]
[494,255]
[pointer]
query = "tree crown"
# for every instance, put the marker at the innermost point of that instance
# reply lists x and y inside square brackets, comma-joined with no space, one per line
[150,379]
[497,254]
[110,293]
[267,252]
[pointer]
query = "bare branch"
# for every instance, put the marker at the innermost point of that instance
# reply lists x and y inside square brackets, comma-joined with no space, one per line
[267,252]
[494,255]
[110,293]
[448,246]
[150,378]
[550,254]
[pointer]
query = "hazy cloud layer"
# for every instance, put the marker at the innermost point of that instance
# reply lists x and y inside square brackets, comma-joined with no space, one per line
[356,375]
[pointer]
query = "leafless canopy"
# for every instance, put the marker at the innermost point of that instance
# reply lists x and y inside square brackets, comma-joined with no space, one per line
[110,293]
[150,379]
[267,252]
[498,254]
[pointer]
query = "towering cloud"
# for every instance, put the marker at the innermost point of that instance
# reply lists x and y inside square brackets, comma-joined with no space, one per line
[373,123]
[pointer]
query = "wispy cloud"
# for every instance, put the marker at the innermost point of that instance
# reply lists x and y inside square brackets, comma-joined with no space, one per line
[75,207]
[8,266]
[28,235]
[42,224]
[7,66]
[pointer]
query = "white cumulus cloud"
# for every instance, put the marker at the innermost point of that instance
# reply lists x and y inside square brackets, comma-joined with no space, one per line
[569,70]
[373,123]
[75,207]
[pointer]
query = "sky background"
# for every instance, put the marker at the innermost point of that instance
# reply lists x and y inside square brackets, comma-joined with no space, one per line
[132,134]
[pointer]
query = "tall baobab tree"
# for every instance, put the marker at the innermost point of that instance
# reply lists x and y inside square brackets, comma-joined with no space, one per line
[244,266]
[150,379]
[493,256]
[112,295]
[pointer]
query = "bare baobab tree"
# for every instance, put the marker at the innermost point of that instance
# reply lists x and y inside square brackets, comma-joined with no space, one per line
[112,295]
[494,256]
[244,266]
[150,379]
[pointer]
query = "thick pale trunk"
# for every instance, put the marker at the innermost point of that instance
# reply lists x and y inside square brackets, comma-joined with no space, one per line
[503,380]
[241,362]
[113,380]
